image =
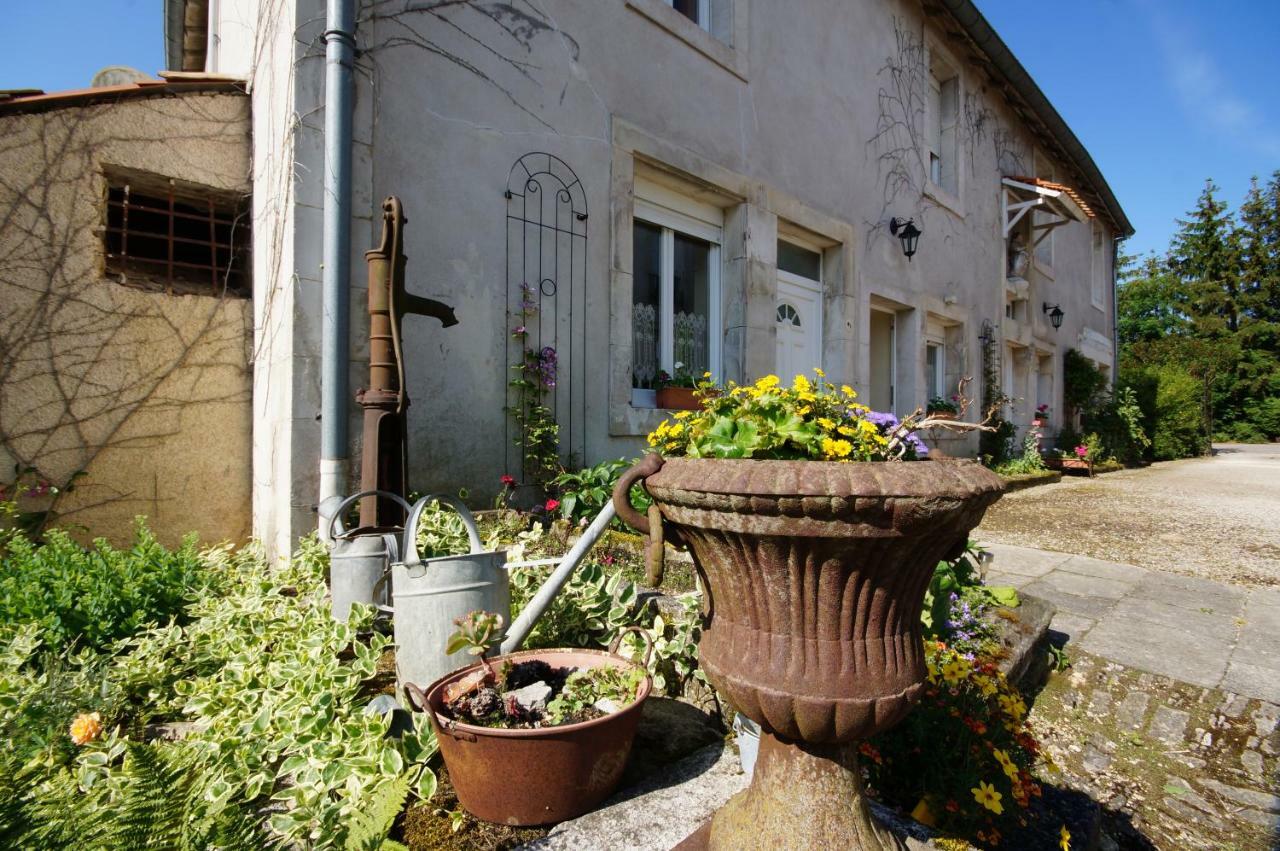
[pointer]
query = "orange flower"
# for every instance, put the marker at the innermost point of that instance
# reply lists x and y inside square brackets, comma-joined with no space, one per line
[86,727]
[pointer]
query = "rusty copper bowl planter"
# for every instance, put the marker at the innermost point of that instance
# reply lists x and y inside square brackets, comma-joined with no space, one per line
[814,574]
[537,776]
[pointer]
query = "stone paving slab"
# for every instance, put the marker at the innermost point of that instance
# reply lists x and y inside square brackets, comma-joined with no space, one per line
[1103,569]
[1025,561]
[1166,614]
[1086,606]
[1197,630]
[1190,592]
[1255,680]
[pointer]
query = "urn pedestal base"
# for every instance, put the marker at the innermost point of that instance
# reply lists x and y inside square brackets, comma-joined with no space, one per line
[801,793]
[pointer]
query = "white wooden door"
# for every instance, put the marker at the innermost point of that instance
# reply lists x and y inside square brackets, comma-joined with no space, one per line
[799,318]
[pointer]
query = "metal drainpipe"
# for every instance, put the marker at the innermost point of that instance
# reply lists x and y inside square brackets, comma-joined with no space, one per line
[335,331]
[1115,312]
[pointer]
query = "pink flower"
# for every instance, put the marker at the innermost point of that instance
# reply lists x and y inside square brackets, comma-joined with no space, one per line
[552,504]
[1082,451]
[508,481]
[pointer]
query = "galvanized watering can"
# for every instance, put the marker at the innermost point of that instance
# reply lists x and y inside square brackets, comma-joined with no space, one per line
[429,595]
[360,559]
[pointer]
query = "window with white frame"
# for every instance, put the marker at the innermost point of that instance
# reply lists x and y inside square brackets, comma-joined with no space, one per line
[675,290]
[1039,220]
[1097,281]
[698,11]
[943,117]
[935,369]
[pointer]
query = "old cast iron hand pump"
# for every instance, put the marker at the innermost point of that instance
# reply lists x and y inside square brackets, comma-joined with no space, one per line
[386,458]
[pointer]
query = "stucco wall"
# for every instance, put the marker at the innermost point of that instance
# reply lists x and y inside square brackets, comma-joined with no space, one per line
[811,118]
[144,393]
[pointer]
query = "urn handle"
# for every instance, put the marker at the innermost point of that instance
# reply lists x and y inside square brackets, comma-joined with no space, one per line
[642,469]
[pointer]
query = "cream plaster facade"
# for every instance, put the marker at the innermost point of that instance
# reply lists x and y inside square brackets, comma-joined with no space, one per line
[811,120]
[146,394]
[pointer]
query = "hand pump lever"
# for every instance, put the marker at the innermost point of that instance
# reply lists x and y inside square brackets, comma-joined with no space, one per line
[385,463]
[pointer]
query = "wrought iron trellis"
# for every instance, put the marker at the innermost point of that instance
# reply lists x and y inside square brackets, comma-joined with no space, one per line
[547,250]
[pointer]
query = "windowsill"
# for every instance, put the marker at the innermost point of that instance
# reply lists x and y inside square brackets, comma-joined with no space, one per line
[730,57]
[1099,307]
[943,198]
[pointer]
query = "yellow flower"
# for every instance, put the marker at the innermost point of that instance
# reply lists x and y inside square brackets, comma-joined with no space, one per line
[838,448]
[848,391]
[803,409]
[955,671]
[680,415]
[768,382]
[801,384]
[818,372]
[676,429]
[1010,770]
[1065,839]
[86,727]
[1013,706]
[986,686]
[827,423]
[984,793]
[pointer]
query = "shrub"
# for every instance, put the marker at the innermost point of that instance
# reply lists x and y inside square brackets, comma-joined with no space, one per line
[94,597]
[1179,422]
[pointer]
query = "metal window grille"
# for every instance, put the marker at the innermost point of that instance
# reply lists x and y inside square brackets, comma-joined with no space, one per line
[178,242]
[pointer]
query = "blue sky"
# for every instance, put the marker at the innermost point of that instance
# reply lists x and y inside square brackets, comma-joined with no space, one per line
[1163,93]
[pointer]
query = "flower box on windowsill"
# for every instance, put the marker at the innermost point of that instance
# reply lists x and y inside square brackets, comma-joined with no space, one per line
[678,399]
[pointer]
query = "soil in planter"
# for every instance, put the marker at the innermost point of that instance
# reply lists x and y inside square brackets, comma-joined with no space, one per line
[522,696]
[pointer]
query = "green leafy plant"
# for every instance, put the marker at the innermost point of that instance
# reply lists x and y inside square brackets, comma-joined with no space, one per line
[259,660]
[1028,462]
[808,420]
[101,594]
[584,493]
[942,405]
[588,688]
[477,632]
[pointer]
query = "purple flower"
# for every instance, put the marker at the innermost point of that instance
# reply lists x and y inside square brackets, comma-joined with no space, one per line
[883,421]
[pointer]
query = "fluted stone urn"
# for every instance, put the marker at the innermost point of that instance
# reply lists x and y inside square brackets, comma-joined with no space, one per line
[814,575]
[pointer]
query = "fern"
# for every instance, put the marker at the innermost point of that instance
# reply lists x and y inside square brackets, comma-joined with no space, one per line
[162,805]
[369,829]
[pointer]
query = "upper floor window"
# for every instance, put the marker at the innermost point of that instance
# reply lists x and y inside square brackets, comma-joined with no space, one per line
[1043,223]
[943,118]
[698,11]
[1098,267]
[176,238]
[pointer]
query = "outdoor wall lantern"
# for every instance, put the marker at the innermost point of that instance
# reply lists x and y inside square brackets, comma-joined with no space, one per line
[910,235]
[1055,314]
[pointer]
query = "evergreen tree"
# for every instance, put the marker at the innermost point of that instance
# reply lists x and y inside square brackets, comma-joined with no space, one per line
[1206,255]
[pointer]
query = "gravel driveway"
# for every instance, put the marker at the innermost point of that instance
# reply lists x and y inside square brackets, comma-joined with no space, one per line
[1217,517]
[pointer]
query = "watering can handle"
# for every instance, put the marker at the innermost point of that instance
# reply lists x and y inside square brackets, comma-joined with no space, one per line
[410,548]
[335,522]
[383,583]
[641,470]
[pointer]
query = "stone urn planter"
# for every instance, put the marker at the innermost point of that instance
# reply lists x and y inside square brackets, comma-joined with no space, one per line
[814,574]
